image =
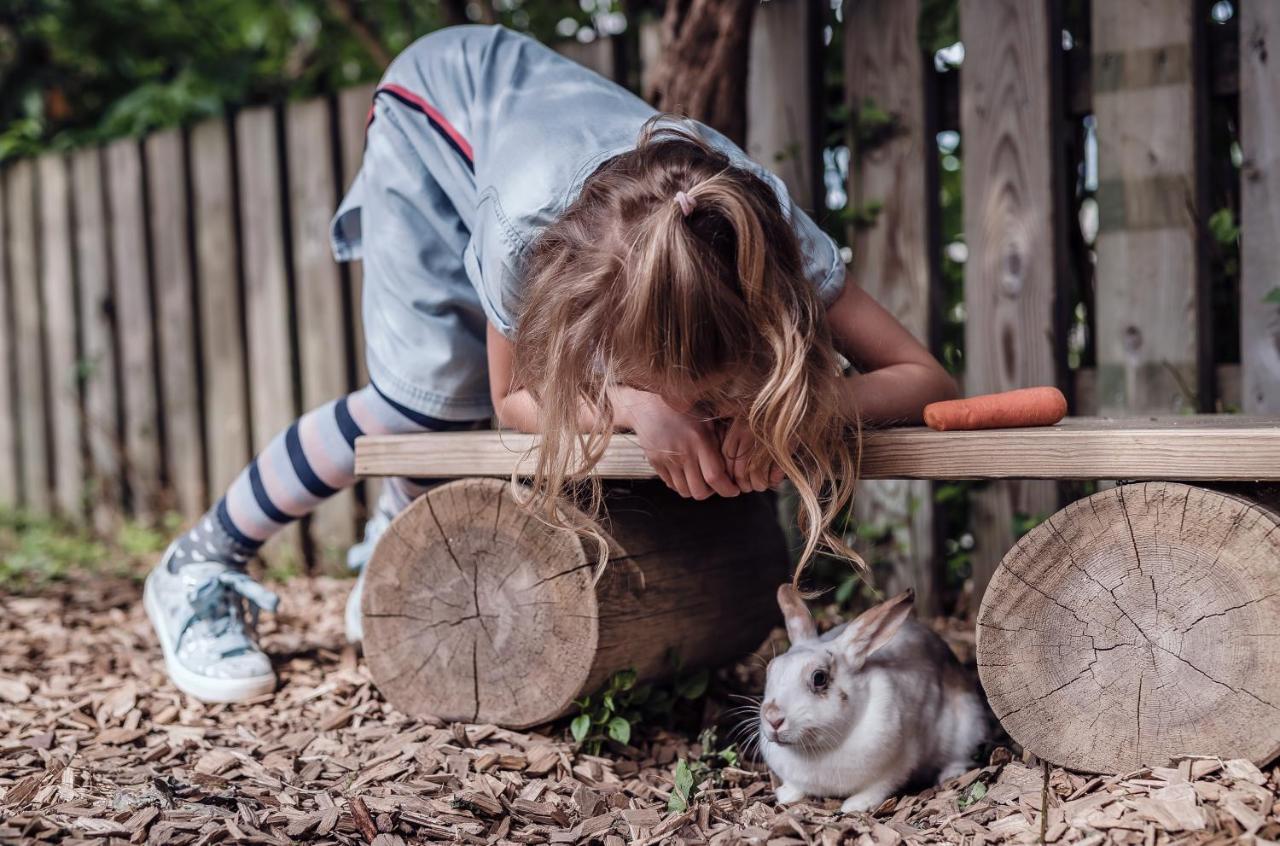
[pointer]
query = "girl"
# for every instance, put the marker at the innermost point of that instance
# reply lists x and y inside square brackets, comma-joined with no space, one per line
[539,244]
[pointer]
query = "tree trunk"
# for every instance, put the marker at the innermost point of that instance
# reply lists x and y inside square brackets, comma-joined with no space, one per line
[475,610]
[702,71]
[1138,625]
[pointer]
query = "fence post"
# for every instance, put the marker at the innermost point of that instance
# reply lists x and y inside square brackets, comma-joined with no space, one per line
[33,430]
[1009,114]
[96,311]
[9,463]
[782,100]
[1260,205]
[1148,207]
[170,210]
[58,295]
[268,311]
[322,347]
[134,326]
[884,65]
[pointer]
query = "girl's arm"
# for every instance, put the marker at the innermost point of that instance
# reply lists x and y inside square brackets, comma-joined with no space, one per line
[898,376]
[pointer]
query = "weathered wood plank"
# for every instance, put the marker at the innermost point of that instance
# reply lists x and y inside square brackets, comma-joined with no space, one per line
[781,132]
[1146,320]
[1260,205]
[97,333]
[1009,108]
[135,325]
[57,291]
[267,306]
[321,302]
[353,116]
[1189,447]
[884,64]
[175,321]
[28,315]
[222,357]
[9,462]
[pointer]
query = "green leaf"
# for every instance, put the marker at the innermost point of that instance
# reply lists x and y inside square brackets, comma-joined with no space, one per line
[580,726]
[681,793]
[1272,297]
[695,686]
[976,791]
[620,730]
[608,702]
[624,679]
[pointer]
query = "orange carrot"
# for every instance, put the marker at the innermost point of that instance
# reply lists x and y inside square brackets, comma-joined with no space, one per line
[1042,406]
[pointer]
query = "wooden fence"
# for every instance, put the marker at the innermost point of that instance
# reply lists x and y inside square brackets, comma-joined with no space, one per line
[169,304]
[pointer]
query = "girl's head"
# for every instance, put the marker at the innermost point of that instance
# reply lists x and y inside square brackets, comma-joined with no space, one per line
[677,273]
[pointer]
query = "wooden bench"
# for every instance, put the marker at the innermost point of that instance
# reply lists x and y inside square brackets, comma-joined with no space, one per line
[1134,625]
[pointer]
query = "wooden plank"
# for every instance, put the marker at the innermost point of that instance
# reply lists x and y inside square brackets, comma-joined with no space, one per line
[1186,447]
[135,326]
[1260,205]
[57,290]
[28,346]
[781,132]
[1146,320]
[1009,108]
[222,355]
[891,260]
[10,489]
[268,311]
[598,55]
[175,320]
[97,339]
[353,116]
[321,302]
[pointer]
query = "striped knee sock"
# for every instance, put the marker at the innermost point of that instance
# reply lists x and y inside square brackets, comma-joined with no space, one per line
[301,467]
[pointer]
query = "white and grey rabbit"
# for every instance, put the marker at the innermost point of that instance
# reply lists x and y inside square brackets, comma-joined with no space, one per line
[866,708]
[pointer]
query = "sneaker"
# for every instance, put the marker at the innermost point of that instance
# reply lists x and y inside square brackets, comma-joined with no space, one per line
[357,557]
[208,639]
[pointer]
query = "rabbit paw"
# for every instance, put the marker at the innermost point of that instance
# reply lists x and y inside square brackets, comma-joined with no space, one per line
[866,800]
[786,794]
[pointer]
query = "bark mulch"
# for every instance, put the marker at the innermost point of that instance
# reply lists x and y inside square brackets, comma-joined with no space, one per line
[97,747]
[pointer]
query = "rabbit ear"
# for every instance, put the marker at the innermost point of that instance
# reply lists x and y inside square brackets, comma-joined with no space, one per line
[876,626]
[800,625]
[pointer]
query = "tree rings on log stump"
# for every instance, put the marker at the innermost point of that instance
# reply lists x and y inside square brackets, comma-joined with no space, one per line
[476,610]
[1136,626]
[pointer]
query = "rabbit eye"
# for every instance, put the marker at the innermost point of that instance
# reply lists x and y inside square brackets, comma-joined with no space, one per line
[820,679]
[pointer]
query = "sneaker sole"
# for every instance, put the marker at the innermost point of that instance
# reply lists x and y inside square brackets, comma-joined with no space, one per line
[204,688]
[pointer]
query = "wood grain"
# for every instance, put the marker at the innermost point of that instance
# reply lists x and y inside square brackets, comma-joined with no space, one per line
[222,355]
[33,426]
[1260,205]
[9,462]
[781,133]
[1193,447]
[135,324]
[1146,320]
[96,312]
[267,307]
[1136,626]
[321,303]
[476,610]
[1009,108]
[57,292]
[175,323]
[884,64]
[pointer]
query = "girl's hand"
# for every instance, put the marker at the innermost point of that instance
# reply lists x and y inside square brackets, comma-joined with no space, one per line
[737,447]
[684,450]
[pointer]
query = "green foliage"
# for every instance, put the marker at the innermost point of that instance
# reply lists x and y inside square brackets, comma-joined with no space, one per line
[37,549]
[1272,297]
[872,125]
[861,217]
[615,712]
[1223,227]
[693,771]
[938,25]
[975,792]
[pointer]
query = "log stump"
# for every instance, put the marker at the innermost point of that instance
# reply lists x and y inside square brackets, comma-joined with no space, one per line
[475,610]
[1138,625]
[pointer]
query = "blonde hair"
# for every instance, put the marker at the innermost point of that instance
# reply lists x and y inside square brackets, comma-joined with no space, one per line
[627,289]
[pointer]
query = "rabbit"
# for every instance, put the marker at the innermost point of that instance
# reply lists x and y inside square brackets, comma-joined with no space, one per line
[868,707]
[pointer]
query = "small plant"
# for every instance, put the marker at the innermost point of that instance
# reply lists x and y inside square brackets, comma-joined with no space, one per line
[616,711]
[691,772]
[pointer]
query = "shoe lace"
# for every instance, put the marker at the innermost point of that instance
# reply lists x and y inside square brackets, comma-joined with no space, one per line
[220,602]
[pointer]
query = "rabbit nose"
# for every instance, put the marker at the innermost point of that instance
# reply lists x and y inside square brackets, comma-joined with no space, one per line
[773,716]
[777,721]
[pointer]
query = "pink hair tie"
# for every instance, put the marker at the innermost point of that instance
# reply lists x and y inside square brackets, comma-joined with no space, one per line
[685,202]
